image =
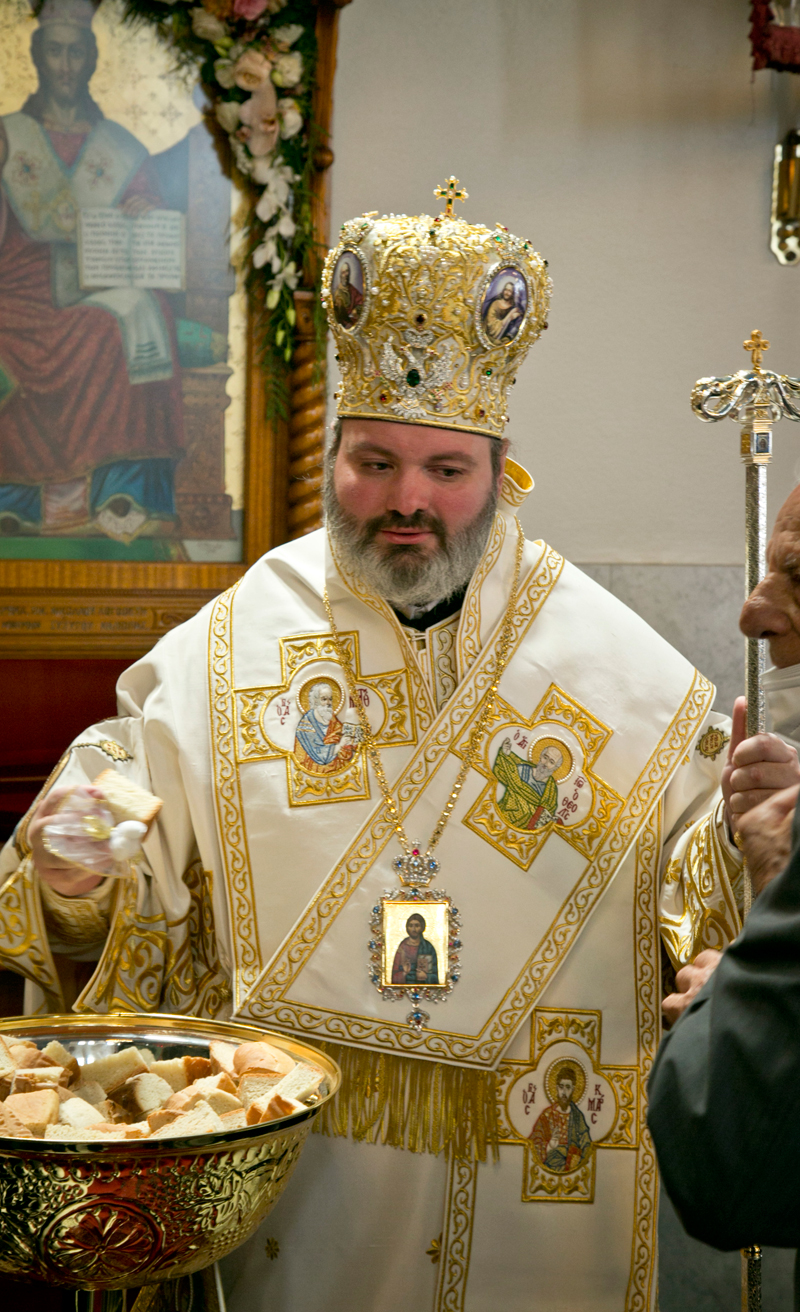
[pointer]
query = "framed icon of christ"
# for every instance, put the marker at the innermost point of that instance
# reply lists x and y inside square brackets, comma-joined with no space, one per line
[138,475]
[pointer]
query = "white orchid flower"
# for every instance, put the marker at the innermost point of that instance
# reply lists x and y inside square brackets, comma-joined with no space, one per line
[288,69]
[286,35]
[286,226]
[290,117]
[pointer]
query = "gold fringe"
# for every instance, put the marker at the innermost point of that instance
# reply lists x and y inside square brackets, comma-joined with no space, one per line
[404,1102]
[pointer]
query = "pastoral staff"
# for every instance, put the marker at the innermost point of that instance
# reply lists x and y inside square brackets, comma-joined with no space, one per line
[280,891]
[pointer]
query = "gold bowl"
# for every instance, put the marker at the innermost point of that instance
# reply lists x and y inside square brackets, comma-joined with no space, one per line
[133,1212]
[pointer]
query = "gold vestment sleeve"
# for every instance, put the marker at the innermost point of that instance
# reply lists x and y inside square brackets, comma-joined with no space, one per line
[24,946]
[698,899]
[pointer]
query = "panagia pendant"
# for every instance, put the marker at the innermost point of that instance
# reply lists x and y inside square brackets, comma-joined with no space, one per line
[414,949]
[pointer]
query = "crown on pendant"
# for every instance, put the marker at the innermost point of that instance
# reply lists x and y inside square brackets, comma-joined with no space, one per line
[432,316]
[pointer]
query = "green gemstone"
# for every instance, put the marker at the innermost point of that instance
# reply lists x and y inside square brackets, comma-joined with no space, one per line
[413,378]
[488,373]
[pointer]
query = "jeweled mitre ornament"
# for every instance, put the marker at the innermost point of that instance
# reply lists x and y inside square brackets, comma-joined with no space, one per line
[432,317]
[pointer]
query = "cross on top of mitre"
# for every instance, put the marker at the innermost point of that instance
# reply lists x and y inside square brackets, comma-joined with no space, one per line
[450,191]
[756,344]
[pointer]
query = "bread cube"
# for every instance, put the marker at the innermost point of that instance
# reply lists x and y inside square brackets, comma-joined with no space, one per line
[78,1114]
[145,1093]
[36,1110]
[221,1056]
[261,1057]
[112,1072]
[272,1109]
[199,1119]
[173,1071]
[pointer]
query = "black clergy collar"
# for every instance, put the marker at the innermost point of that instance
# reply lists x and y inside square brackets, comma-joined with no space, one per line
[441,611]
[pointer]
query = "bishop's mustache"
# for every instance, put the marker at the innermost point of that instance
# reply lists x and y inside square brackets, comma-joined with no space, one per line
[393,520]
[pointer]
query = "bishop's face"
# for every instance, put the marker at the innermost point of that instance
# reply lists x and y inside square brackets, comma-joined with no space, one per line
[772,610]
[65,62]
[409,487]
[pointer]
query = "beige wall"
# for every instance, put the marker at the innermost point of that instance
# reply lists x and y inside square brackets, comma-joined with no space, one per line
[626,139]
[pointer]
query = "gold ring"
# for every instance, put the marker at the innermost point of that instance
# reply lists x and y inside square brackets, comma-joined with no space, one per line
[738,840]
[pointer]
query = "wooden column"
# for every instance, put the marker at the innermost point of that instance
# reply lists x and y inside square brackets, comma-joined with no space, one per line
[306,425]
[306,440]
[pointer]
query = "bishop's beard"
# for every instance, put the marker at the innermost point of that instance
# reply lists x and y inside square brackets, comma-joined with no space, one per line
[407,575]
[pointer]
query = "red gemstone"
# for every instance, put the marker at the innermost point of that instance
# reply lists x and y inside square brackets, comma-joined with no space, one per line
[415,851]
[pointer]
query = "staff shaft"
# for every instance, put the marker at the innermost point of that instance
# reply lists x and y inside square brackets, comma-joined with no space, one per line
[755,521]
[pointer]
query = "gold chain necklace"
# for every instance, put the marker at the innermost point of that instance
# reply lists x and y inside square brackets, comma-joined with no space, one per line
[416,869]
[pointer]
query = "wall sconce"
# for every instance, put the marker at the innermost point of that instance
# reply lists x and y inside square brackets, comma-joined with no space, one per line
[785,218]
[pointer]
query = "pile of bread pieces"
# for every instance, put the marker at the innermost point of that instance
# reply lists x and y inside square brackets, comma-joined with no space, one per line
[130,1095]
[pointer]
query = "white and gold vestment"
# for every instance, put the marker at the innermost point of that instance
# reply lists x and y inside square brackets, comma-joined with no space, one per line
[271,849]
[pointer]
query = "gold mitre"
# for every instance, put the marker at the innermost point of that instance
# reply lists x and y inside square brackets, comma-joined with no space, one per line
[432,317]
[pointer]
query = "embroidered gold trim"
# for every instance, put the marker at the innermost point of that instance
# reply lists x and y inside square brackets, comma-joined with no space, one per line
[23,938]
[227,790]
[462,1183]
[640,1294]
[469,629]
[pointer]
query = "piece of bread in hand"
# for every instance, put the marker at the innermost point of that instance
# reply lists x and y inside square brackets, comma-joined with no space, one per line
[126,800]
[142,1094]
[261,1057]
[36,1110]
[273,1108]
[199,1119]
[113,1071]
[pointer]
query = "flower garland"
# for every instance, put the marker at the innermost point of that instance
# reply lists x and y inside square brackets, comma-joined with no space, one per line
[256,61]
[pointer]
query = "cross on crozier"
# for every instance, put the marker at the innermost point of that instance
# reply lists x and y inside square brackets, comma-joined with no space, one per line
[756,344]
[450,191]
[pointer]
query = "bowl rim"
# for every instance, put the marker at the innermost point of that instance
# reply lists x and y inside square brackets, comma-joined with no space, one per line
[128,1025]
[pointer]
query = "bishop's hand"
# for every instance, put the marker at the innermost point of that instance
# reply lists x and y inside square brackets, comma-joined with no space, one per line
[63,876]
[756,768]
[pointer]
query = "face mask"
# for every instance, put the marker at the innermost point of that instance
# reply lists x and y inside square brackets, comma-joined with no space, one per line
[782,696]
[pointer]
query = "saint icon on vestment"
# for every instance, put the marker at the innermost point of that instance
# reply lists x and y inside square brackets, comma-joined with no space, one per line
[323,743]
[348,289]
[415,959]
[560,1136]
[504,306]
[530,787]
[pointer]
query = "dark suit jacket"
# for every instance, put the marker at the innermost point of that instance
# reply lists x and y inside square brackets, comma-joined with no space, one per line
[725,1088]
